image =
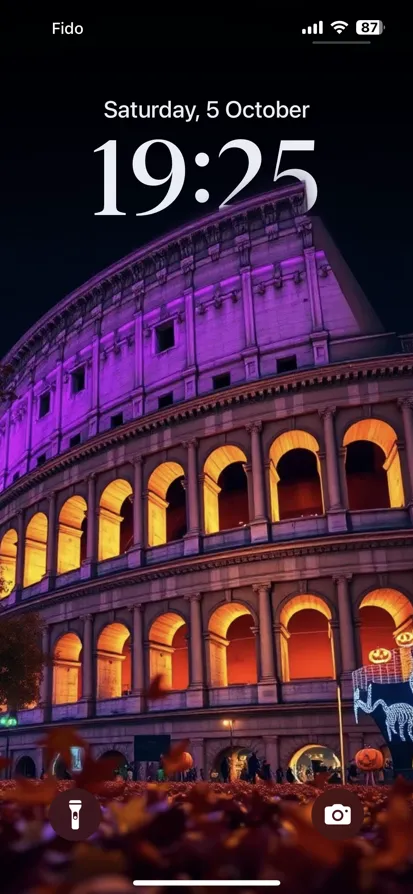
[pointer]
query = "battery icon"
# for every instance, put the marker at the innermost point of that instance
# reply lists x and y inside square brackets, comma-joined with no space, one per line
[369,27]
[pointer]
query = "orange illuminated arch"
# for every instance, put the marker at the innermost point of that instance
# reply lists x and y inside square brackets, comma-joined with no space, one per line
[158,485]
[110,518]
[8,554]
[216,463]
[232,652]
[70,534]
[67,677]
[382,612]
[307,645]
[285,443]
[114,671]
[168,650]
[384,436]
[35,549]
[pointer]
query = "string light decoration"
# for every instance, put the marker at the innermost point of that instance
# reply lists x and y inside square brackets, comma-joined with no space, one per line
[400,713]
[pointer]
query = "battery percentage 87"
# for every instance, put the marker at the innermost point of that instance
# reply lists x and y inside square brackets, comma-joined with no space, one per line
[370,27]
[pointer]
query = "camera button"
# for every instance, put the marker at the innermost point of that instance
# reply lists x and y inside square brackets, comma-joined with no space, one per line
[337,814]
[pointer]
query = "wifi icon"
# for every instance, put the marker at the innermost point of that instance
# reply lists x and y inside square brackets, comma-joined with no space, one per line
[339,27]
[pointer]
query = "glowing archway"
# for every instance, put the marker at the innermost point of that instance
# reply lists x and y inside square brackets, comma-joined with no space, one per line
[71,534]
[295,478]
[115,520]
[374,480]
[307,647]
[166,504]
[232,649]
[35,547]
[312,759]
[67,675]
[382,612]
[114,670]
[168,650]
[225,489]
[8,554]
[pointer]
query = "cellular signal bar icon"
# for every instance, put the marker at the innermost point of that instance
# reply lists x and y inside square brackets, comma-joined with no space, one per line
[313,29]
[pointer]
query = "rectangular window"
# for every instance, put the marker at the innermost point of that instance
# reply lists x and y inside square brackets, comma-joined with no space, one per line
[78,380]
[286,364]
[41,459]
[116,420]
[74,441]
[166,400]
[221,381]
[44,404]
[16,476]
[165,337]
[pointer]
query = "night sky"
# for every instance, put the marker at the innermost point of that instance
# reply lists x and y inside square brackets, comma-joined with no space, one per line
[52,115]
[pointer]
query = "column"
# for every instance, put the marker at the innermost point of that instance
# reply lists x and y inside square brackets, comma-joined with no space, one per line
[137,502]
[265,631]
[20,550]
[92,521]
[259,525]
[51,549]
[87,657]
[348,654]
[138,667]
[248,306]
[192,538]
[333,478]
[406,406]
[47,667]
[248,471]
[6,434]
[313,288]
[272,752]
[198,754]
[196,641]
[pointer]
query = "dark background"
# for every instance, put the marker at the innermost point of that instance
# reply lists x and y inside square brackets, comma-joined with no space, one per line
[54,89]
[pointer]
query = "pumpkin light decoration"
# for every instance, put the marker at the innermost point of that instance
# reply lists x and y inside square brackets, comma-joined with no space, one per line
[404,641]
[369,759]
[186,762]
[379,656]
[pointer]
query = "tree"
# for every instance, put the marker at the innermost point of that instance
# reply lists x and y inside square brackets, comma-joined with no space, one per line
[21,660]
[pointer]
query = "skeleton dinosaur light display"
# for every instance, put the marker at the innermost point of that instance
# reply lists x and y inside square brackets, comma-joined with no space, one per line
[399,714]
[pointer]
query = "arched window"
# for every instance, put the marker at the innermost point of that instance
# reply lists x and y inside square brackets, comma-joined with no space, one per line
[114,668]
[373,472]
[67,670]
[232,646]
[225,490]
[35,549]
[166,504]
[115,520]
[168,650]
[71,544]
[8,554]
[307,647]
[295,480]
[382,611]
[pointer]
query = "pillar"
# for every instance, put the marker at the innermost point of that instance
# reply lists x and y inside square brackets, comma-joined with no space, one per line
[265,632]
[196,642]
[336,515]
[348,653]
[137,502]
[87,657]
[51,550]
[406,406]
[259,524]
[138,666]
[198,754]
[20,551]
[192,538]
[272,752]
[92,521]
[47,668]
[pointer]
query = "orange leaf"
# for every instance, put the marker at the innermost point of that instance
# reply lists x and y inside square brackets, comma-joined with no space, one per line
[5,762]
[174,762]
[59,741]
[94,773]
[156,689]
[31,792]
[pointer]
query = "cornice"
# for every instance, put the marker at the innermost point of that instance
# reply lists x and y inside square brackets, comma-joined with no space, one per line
[246,393]
[253,553]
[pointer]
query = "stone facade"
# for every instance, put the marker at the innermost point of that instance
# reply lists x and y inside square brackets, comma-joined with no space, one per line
[150,502]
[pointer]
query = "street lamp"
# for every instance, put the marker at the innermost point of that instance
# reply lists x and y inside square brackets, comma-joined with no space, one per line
[230,725]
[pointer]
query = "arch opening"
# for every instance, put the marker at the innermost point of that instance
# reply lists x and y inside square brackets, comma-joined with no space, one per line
[67,670]
[307,646]
[167,519]
[313,759]
[8,555]
[168,650]
[381,613]
[115,520]
[232,646]
[295,476]
[225,490]
[114,754]
[72,534]
[35,549]
[26,767]
[114,665]
[373,471]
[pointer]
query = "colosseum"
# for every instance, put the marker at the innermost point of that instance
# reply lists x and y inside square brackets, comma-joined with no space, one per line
[206,472]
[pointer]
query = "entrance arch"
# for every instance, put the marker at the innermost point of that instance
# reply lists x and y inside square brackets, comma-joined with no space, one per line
[373,471]
[232,646]
[225,489]
[26,767]
[312,759]
[307,647]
